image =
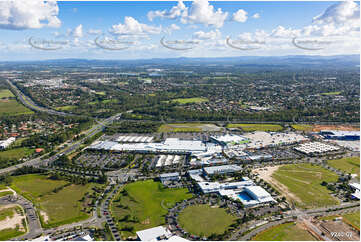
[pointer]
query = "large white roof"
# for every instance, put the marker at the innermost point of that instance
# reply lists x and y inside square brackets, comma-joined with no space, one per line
[152,233]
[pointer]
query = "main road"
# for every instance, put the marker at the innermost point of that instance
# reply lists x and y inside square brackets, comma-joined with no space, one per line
[28,102]
[73,146]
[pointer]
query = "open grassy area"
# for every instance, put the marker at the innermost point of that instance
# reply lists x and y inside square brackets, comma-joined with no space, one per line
[5,193]
[188,127]
[204,220]
[144,204]
[6,93]
[330,93]
[347,164]
[304,181]
[284,232]
[7,234]
[61,207]
[16,153]
[353,219]
[11,107]
[65,108]
[302,127]
[190,100]
[256,127]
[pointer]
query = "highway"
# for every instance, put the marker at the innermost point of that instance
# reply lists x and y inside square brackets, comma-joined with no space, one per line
[28,102]
[73,146]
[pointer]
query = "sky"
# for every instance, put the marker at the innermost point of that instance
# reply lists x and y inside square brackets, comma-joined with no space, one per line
[38,30]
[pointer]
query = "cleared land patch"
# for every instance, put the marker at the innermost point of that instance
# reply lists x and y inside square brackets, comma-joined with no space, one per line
[330,93]
[11,107]
[304,182]
[347,164]
[302,127]
[284,232]
[65,108]
[188,127]
[256,127]
[318,128]
[190,100]
[59,200]
[12,221]
[204,220]
[16,154]
[143,204]
[6,93]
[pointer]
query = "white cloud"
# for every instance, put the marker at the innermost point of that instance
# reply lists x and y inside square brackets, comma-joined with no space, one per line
[256,15]
[78,31]
[94,31]
[201,12]
[282,32]
[25,14]
[212,35]
[132,27]
[172,28]
[173,13]
[240,16]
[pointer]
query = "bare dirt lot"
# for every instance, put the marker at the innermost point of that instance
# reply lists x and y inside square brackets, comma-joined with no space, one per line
[338,230]
[266,174]
[317,128]
[12,222]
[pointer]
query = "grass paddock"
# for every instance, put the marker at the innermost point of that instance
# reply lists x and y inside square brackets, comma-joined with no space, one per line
[204,220]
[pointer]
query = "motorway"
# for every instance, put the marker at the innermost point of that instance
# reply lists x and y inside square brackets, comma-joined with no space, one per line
[28,102]
[73,146]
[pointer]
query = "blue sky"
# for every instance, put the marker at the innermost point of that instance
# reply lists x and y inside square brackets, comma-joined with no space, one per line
[208,24]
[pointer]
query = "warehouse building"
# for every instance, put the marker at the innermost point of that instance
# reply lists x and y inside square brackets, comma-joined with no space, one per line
[229,139]
[225,169]
[169,177]
[340,135]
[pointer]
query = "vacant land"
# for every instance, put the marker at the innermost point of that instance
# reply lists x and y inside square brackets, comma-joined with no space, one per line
[188,127]
[330,93]
[4,93]
[143,204]
[303,181]
[11,107]
[347,164]
[284,232]
[302,127]
[59,201]
[190,100]
[65,108]
[318,127]
[16,154]
[12,222]
[256,127]
[353,219]
[204,220]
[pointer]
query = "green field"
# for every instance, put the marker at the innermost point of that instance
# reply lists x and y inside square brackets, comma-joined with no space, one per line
[5,193]
[188,127]
[4,93]
[353,219]
[302,127]
[304,181]
[256,127]
[12,107]
[347,164]
[330,93]
[190,100]
[144,203]
[16,153]
[284,232]
[204,220]
[61,207]
[65,108]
